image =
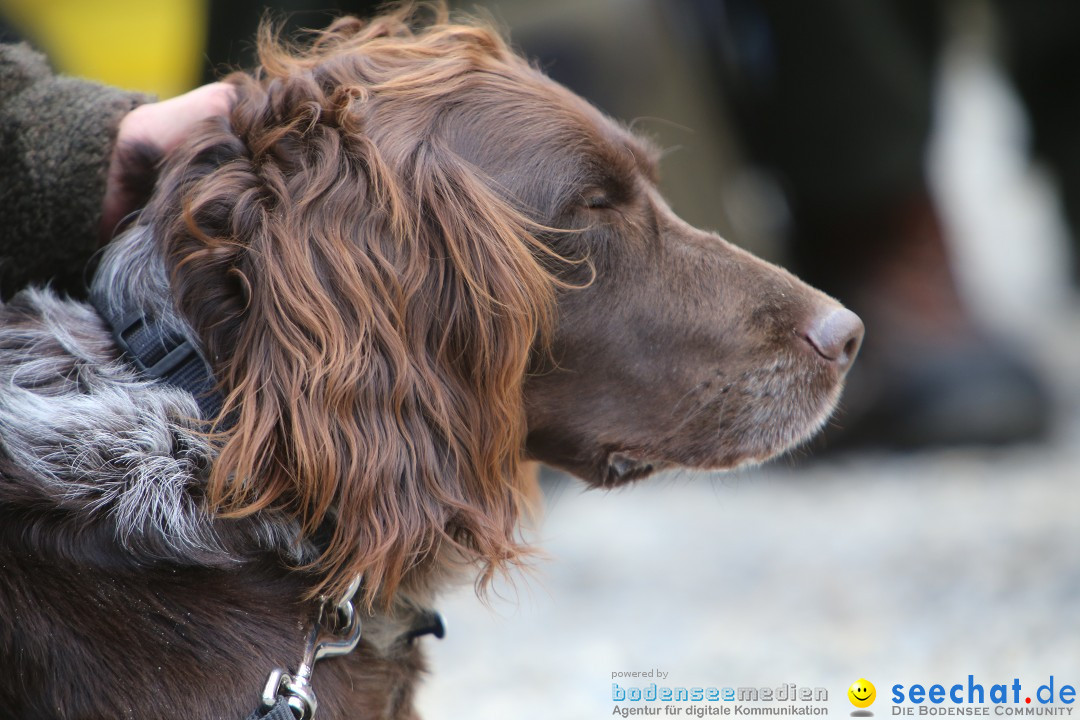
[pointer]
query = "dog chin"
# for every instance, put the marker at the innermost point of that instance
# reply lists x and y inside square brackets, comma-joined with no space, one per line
[622,467]
[794,435]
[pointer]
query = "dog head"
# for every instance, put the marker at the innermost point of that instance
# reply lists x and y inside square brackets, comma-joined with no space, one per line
[413,261]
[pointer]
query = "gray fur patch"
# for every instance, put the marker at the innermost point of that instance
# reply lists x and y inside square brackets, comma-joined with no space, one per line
[82,431]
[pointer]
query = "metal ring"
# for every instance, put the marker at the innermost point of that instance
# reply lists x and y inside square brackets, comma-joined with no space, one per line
[349,634]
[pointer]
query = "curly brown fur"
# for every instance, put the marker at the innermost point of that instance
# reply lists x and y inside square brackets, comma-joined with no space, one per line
[368,302]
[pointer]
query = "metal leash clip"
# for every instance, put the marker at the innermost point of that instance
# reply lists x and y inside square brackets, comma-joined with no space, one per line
[342,623]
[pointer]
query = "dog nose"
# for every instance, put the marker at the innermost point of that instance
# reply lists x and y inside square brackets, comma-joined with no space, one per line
[836,335]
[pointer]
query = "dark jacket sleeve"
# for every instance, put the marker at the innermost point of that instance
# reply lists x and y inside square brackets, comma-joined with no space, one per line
[56,137]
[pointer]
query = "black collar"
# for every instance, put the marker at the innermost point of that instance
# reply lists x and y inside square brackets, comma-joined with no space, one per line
[164,355]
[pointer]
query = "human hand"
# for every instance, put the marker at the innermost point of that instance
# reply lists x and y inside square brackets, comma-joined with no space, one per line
[162,126]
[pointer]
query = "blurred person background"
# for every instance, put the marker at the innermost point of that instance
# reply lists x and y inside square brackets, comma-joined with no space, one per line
[835,98]
[879,148]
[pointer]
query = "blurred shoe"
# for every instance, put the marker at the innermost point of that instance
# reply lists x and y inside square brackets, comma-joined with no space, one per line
[977,392]
[927,376]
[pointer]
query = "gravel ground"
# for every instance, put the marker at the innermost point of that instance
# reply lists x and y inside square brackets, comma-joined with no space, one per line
[897,569]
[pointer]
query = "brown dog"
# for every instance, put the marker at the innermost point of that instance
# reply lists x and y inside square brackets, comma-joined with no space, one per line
[412,262]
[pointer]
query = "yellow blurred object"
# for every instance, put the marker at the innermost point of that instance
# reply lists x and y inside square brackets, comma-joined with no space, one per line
[152,46]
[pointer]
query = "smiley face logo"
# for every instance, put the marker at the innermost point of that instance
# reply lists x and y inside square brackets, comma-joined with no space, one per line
[862,693]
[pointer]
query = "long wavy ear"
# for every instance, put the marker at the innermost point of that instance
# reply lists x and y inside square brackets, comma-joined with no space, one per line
[369,309]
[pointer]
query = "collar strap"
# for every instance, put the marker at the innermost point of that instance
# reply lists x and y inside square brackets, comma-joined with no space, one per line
[164,355]
[428,622]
